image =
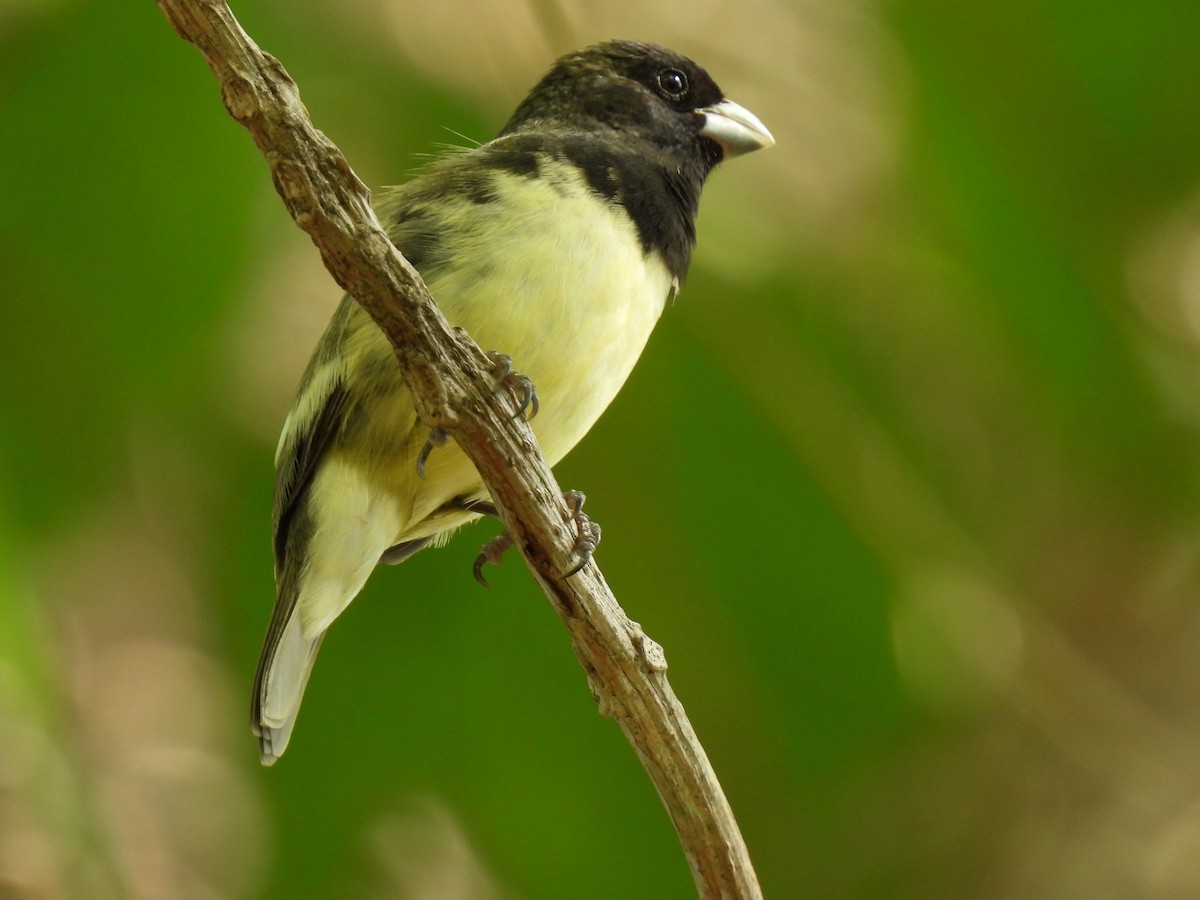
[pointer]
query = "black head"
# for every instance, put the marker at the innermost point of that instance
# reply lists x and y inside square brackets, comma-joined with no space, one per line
[637,90]
[644,125]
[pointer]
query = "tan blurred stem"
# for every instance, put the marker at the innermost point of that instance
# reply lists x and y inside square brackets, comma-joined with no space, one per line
[454,385]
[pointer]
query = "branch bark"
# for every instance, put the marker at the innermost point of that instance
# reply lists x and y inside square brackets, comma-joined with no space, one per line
[453,383]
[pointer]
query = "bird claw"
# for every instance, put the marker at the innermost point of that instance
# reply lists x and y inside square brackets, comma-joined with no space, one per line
[587,538]
[437,438]
[587,532]
[506,375]
[490,554]
[522,385]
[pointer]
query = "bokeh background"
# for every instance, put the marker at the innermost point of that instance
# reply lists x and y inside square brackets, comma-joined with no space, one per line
[906,483]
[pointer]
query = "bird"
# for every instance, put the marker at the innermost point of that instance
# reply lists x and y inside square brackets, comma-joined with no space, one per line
[559,243]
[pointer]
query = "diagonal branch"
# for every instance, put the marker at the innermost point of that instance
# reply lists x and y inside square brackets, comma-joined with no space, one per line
[453,383]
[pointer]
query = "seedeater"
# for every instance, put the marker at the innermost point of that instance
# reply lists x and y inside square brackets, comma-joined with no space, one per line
[559,243]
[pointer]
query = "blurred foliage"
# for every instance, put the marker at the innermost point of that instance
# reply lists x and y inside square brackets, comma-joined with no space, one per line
[906,484]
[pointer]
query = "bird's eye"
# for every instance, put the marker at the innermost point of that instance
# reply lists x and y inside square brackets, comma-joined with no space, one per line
[673,84]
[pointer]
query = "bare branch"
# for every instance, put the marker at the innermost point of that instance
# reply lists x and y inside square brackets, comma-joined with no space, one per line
[453,383]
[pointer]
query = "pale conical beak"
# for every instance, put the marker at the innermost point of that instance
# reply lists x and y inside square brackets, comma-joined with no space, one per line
[734,127]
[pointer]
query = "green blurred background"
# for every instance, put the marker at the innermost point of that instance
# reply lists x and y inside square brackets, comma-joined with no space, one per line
[906,483]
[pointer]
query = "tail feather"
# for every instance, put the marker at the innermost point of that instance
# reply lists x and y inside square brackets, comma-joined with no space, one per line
[279,683]
[322,562]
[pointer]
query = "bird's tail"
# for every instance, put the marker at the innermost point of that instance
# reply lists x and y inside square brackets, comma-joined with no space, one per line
[283,669]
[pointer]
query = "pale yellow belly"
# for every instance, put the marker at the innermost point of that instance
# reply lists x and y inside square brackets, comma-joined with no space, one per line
[573,308]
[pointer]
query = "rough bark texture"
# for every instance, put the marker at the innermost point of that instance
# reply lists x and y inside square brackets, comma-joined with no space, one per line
[454,385]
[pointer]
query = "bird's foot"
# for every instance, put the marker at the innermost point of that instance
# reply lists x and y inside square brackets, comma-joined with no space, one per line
[506,376]
[521,385]
[490,554]
[437,438]
[587,532]
[587,538]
